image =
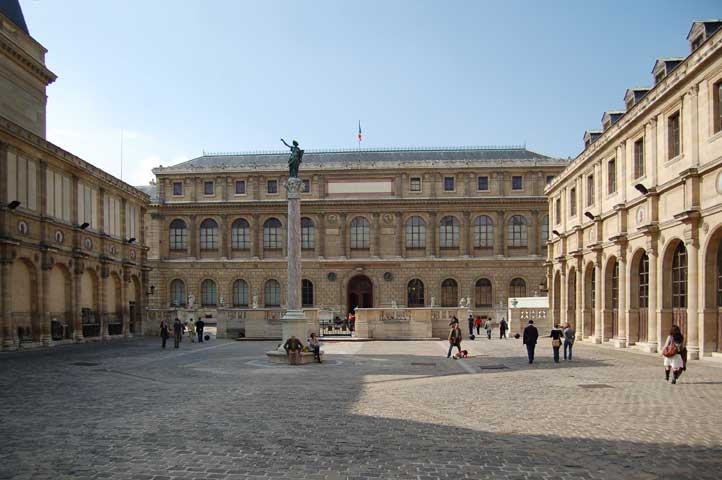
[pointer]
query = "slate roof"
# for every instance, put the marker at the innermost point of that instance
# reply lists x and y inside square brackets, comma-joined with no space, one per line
[361,158]
[12,10]
[150,190]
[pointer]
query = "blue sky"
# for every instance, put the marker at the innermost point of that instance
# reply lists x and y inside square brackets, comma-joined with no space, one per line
[180,77]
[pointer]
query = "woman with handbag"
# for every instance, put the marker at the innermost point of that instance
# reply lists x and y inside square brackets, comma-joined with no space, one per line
[556,335]
[672,353]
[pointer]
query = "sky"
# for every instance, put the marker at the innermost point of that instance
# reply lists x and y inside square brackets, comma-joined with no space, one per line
[162,81]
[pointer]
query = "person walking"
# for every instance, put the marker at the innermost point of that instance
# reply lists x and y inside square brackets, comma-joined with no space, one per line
[191,330]
[487,327]
[531,334]
[556,336]
[470,321]
[503,326]
[315,347]
[672,352]
[177,332]
[293,347]
[477,323]
[568,340]
[199,329]
[454,337]
[164,332]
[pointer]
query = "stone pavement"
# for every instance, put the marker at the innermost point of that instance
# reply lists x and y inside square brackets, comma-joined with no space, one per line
[373,410]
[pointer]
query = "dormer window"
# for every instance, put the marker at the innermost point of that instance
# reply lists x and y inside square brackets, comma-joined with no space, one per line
[633,96]
[663,67]
[700,32]
[590,137]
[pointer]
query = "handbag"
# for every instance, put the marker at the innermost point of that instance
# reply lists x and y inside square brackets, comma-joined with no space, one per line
[670,350]
[556,343]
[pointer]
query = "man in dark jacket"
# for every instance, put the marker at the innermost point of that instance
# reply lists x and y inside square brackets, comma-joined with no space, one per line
[531,334]
[293,347]
[454,336]
[199,329]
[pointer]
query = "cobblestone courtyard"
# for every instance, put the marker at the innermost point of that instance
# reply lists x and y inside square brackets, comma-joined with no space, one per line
[129,410]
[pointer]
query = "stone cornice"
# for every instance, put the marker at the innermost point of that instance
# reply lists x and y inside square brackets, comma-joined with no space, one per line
[674,82]
[26,62]
[86,169]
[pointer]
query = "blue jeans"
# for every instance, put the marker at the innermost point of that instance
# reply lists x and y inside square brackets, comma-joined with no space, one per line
[556,354]
[567,344]
[530,351]
[452,345]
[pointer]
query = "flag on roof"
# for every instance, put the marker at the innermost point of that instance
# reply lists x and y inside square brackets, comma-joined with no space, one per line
[360,136]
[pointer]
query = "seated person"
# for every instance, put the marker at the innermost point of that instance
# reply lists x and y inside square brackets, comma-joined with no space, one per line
[293,347]
[315,347]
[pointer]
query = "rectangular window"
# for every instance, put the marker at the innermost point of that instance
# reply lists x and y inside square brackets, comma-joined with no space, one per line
[612,176]
[415,184]
[272,186]
[573,201]
[550,178]
[483,184]
[208,188]
[57,194]
[306,185]
[240,187]
[673,136]
[717,106]
[558,211]
[639,158]
[590,190]
[517,182]
[448,184]
[22,181]
[177,188]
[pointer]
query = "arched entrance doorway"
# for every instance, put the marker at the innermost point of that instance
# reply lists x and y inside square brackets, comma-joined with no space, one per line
[360,293]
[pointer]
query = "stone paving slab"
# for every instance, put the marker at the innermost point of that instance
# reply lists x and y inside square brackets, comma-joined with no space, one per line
[372,410]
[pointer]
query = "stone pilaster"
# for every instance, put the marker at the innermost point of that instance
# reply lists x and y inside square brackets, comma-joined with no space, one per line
[7,331]
[693,283]
[321,236]
[400,235]
[375,235]
[44,297]
[77,320]
[623,317]
[465,230]
[599,299]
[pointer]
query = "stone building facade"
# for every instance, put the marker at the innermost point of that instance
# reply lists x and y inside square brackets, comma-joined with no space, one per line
[414,228]
[72,255]
[637,216]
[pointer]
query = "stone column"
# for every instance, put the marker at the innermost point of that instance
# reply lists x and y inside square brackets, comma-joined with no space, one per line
[77,311]
[193,237]
[225,234]
[375,235]
[465,230]
[431,235]
[344,240]
[7,331]
[579,317]
[622,317]
[651,345]
[294,322]
[256,229]
[499,233]
[562,296]
[44,295]
[321,237]
[599,300]
[102,308]
[534,233]
[692,299]
[400,235]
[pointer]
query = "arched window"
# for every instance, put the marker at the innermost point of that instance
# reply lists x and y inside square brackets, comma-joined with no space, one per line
[240,235]
[306,293]
[482,293]
[415,233]
[544,229]
[415,291]
[177,293]
[359,233]
[272,233]
[240,293]
[272,294]
[517,231]
[178,235]
[208,293]
[449,293]
[679,277]
[643,282]
[517,288]
[209,234]
[483,232]
[307,233]
[449,232]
